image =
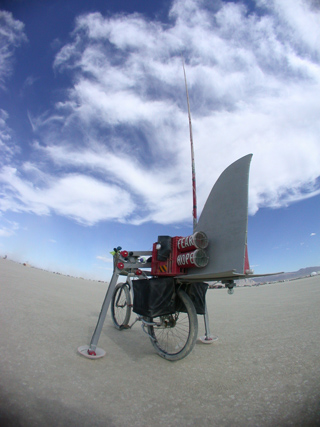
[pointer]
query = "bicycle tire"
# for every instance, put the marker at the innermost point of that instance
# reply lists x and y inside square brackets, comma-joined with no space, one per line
[121,306]
[177,335]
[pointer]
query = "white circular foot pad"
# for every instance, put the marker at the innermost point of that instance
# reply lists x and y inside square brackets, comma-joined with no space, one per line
[209,340]
[83,350]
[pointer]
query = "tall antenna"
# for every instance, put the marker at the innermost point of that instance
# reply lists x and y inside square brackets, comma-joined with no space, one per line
[194,187]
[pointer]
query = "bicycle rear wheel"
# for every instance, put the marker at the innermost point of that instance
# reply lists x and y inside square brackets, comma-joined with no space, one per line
[174,336]
[121,306]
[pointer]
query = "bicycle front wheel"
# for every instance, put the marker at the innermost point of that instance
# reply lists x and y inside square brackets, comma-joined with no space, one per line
[121,306]
[174,336]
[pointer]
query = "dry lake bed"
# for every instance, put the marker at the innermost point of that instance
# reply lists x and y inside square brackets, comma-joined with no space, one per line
[264,370]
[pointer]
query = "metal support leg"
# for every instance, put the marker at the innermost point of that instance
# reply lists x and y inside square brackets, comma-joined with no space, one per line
[208,338]
[93,352]
[104,310]
[206,322]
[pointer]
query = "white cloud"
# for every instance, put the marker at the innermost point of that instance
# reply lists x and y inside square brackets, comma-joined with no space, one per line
[8,228]
[11,36]
[303,19]
[313,234]
[118,141]
[6,232]
[8,147]
[79,197]
[134,177]
[104,258]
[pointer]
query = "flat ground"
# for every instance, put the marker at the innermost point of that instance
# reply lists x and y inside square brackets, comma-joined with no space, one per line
[263,371]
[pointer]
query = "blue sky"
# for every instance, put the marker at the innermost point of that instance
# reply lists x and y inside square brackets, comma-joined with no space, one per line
[94,134]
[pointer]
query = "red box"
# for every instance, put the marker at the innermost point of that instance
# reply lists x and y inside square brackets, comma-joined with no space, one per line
[168,267]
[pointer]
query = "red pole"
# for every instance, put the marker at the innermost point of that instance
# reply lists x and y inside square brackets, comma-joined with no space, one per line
[194,187]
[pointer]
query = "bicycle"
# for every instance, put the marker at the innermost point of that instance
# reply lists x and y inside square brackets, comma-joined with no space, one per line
[216,251]
[169,318]
[172,335]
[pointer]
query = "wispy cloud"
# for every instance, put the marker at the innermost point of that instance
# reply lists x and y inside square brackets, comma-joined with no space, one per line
[116,146]
[11,36]
[84,199]
[8,146]
[8,228]
[104,258]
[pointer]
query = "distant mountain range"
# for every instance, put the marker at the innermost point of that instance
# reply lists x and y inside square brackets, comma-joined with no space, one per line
[303,272]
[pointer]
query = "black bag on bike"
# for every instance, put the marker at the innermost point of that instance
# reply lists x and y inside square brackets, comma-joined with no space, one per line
[197,293]
[154,297]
